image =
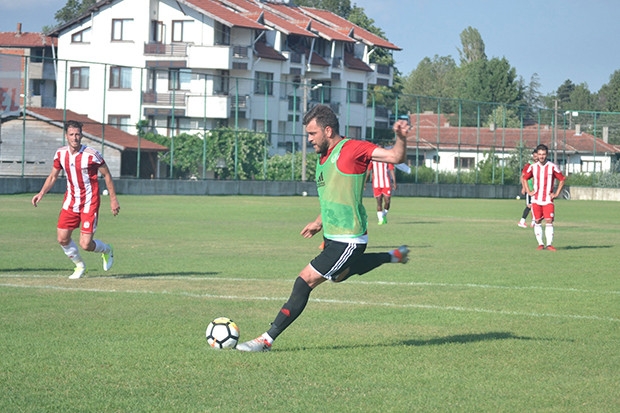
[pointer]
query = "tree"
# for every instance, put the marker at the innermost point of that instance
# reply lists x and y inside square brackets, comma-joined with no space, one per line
[73,9]
[581,98]
[609,94]
[473,46]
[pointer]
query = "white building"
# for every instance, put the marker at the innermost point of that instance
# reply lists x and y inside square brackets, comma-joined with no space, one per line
[194,65]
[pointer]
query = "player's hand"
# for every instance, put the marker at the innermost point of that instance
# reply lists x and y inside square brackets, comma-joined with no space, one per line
[116,208]
[402,128]
[36,199]
[311,229]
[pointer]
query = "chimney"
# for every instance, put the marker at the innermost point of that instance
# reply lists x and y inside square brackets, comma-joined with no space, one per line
[606,134]
[577,129]
[19,30]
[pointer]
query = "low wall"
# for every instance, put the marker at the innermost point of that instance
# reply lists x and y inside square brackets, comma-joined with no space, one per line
[10,185]
[599,194]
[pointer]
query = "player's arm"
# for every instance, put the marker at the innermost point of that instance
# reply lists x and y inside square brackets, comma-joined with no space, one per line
[49,183]
[393,178]
[109,183]
[312,228]
[558,191]
[398,152]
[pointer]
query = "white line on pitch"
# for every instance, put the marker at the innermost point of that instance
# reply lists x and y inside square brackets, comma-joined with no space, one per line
[321,300]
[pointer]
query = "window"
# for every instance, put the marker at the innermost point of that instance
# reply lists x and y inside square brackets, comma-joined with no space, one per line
[591,166]
[354,132]
[221,83]
[180,30]
[464,163]
[222,34]
[36,87]
[79,77]
[356,92]
[321,91]
[36,54]
[259,126]
[179,79]
[263,83]
[120,77]
[83,36]
[120,121]
[121,29]
[157,34]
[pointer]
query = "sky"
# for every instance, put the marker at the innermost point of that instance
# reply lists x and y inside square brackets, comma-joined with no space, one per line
[558,40]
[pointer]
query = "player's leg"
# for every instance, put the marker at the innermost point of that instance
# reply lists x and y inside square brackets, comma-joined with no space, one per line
[379,198]
[538,231]
[307,280]
[526,212]
[549,213]
[386,204]
[67,222]
[88,243]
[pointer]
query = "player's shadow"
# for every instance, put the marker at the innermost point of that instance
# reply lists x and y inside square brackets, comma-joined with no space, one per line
[466,338]
[162,274]
[582,247]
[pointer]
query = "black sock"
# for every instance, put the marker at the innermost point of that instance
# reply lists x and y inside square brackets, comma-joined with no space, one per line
[292,309]
[526,212]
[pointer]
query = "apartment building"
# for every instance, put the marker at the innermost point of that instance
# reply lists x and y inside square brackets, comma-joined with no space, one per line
[195,65]
[27,74]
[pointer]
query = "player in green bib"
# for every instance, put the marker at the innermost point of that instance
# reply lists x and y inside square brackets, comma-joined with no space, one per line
[340,176]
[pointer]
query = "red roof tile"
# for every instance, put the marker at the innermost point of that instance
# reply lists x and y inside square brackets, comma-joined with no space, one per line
[253,11]
[354,63]
[262,50]
[223,14]
[90,127]
[476,139]
[294,15]
[27,39]
[345,26]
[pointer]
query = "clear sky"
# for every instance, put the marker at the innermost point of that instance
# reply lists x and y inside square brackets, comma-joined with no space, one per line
[557,39]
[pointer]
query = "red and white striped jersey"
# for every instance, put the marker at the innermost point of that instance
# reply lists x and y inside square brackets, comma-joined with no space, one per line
[81,169]
[544,177]
[380,175]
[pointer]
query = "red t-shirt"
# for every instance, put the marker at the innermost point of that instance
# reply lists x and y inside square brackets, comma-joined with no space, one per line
[355,156]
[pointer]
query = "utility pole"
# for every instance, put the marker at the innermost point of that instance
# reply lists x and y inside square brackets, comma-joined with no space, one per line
[304,105]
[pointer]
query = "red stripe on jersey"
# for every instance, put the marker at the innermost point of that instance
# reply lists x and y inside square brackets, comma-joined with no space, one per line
[82,185]
[544,177]
[380,176]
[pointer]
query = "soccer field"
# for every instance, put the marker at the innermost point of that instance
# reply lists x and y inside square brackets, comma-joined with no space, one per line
[477,321]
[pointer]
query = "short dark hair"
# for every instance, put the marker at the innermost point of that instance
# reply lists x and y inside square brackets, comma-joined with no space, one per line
[542,147]
[324,116]
[73,124]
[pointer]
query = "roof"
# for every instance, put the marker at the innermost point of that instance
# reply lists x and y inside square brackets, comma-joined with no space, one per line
[224,15]
[344,26]
[454,138]
[26,39]
[294,15]
[266,52]
[94,130]
[260,14]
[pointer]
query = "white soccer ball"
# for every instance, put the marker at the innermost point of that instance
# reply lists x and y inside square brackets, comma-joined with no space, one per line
[518,197]
[304,193]
[222,333]
[105,192]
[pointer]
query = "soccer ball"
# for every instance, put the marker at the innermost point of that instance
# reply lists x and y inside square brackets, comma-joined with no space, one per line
[304,193]
[105,192]
[222,333]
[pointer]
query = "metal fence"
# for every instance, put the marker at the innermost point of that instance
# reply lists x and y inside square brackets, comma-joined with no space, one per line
[454,141]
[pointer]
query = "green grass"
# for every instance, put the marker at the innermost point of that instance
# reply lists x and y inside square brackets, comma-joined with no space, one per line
[478,321]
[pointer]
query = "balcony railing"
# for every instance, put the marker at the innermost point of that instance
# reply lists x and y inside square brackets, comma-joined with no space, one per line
[164,99]
[173,49]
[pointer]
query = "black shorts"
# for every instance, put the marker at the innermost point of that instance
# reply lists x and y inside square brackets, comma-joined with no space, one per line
[335,257]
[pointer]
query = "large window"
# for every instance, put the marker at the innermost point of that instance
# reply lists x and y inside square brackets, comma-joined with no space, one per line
[179,79]
[120,121]
[263,83]
[180,30]
[121,29]
[79,77]
[120,77]
[221,82]
[356,92]
[157,34]
[83,36]
[464,163]
[222,34]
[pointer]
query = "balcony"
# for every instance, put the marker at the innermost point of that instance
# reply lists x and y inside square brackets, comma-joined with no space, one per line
[213,106]
[164,99]
[166,50]
[382,75]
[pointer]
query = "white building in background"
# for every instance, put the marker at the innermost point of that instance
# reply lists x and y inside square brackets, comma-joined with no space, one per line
[194,65]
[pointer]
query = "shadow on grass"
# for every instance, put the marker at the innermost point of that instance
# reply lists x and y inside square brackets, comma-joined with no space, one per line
[100,274]
[456,339]
[466,338]
[582,247]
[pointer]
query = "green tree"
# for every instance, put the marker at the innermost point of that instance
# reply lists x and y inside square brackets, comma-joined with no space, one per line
[609,94]
[472,46]
[73,9]
[581,98]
